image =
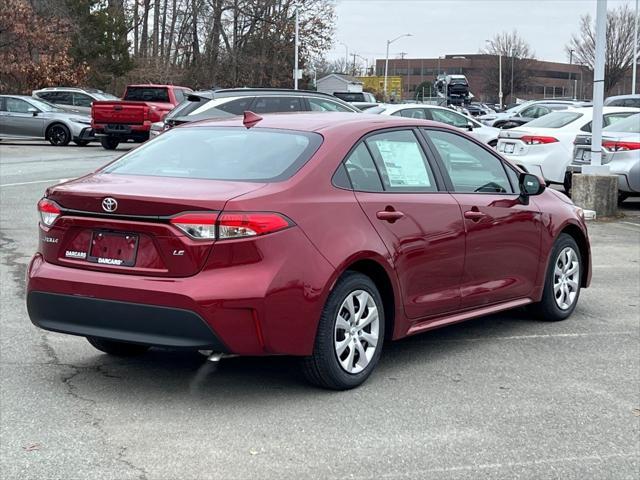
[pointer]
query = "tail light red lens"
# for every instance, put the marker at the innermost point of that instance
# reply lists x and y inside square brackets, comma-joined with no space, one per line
[239,225]
[49,211]
[620,146]
[201,226]
[211,225]
[538,139]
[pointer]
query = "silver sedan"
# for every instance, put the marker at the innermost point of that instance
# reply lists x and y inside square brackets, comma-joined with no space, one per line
[620,150]
[27,117]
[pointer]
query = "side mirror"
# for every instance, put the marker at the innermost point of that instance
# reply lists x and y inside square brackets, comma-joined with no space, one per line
[530,185]
[470,126]
[33,111]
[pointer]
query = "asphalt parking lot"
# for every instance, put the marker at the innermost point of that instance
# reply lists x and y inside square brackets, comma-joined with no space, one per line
[501,397]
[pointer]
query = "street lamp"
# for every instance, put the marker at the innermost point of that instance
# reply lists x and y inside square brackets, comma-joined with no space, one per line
[499,74]
[386,62]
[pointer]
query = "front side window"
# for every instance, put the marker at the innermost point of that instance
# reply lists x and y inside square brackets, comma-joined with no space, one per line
[15,105]
[401,162]
[412,113]
[325,105]
[470,167]
[277,104]
[223,153]
[362,171]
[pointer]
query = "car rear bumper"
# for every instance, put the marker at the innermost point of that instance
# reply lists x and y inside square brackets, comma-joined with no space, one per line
[123,321]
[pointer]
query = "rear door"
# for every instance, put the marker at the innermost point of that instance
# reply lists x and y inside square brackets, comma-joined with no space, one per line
[502,234]
[421,226]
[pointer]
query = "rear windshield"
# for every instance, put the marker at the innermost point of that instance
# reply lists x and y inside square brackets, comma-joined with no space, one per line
[554,120]
[222,153]
[628,125]
[186,107]
[147,94]
[350,96]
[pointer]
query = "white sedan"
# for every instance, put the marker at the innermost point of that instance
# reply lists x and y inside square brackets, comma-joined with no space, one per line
[485,134]
[544,146]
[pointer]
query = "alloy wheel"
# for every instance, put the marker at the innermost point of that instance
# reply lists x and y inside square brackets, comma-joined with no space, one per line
[57,135]
[356,332]
[566,278]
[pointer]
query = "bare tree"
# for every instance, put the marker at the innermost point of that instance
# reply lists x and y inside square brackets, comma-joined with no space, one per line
[516,63]
[619,54]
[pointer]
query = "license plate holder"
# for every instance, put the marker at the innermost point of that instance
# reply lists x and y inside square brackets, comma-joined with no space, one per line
[113,248]
[117,128]
[509,147]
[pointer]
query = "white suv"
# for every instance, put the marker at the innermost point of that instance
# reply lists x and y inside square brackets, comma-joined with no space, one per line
[71,98]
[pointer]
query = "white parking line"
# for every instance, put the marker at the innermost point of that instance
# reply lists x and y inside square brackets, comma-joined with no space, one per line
[51,180]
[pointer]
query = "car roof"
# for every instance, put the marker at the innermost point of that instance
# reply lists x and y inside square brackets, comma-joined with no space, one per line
[155,85]
[228,92]
[320,122]
[25,97]
[605,109]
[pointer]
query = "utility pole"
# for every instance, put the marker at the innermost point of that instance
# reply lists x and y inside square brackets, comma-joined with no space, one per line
[295,68]
[500,80]
[511,94]
[571,73]
[353,68]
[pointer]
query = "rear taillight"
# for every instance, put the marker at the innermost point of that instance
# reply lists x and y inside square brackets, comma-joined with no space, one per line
[620,146]
[239,225]
[211,226]
[538,139]
[200,226]
[49,211]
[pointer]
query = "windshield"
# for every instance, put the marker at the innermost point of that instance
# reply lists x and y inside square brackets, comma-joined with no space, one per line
[222,153]
[554,120]
[44,106]
[628,125]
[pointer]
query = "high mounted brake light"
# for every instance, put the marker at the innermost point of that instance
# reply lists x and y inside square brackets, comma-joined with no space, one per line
[49,211]
[211,225]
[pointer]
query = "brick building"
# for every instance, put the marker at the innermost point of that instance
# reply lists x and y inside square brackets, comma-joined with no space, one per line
[547,79]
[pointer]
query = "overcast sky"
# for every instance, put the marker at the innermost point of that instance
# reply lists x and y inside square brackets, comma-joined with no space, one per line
[442,27]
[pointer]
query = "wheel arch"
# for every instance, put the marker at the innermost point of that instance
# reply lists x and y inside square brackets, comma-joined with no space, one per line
[575,232]
[383,280]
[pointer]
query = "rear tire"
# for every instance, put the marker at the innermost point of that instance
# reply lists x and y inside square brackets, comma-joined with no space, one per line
[118,349]
[58,135]
[350,335]
[562,281]
[109,143]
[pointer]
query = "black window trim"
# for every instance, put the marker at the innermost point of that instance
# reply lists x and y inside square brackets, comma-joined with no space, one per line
[430,163]
[447,179]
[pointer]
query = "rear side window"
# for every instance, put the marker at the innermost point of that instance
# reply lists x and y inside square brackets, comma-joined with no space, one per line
[350,96]
[229,153]
[608,120]
[362,171]
[82,100]
[147,94]
[236,107]
[401,162]
[324,105]
[276,104]
[411,113]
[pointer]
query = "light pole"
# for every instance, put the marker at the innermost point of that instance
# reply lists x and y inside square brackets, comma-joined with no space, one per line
[511,93]
[499,74]
[386,62]
[634,70]
[295,68]
[571,73]
[346,56]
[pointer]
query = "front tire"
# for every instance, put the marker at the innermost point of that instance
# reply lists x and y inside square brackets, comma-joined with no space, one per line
[118,349]
[58,135]
[109,143]
[562,281]
[350,335]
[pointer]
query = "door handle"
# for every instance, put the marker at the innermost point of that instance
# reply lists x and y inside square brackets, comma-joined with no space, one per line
[389,215]
[474,215]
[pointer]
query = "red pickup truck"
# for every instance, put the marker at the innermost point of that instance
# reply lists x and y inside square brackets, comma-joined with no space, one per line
[131,118]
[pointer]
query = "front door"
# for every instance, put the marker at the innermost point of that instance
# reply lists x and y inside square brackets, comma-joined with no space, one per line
[19,121]
[420,225]
[502,233]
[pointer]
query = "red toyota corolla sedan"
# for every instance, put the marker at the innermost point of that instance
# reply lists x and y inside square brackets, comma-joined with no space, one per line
[313,235]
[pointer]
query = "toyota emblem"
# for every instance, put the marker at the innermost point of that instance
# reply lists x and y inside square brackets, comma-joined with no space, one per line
[109,204]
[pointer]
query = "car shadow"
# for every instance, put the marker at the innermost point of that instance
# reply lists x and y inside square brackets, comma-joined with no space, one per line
[179,375]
